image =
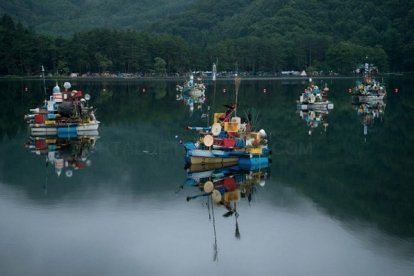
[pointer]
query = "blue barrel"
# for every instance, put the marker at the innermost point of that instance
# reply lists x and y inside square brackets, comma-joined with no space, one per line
[254,163]
[223,134]
[51,116]
[51,147]
[240,143]
[67,132]
[239,178]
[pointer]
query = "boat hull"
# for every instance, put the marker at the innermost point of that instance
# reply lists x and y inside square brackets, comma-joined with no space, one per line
[253,163]
[316,106]
[81,129]
[369,98]
[201,160]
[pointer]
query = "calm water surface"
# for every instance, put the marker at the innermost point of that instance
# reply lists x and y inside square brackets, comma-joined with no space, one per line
[336,202]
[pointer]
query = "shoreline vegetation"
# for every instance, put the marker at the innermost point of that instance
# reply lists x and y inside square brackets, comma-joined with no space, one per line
[114,53]
[205,78]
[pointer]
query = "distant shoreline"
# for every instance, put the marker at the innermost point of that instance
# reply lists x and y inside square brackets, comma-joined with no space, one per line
[180,78]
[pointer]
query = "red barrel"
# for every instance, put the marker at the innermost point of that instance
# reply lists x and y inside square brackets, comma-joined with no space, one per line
[39,119]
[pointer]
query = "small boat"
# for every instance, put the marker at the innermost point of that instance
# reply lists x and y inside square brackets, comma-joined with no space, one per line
[193,89]
[369,89]
[313,98]
[65,113]
[227,141]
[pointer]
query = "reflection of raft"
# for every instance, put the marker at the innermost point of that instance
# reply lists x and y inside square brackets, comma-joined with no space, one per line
[229,183]
[65,153]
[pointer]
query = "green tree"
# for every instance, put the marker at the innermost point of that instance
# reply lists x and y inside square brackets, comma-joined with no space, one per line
[409,54]
[103,62]
[344,57]
[160,66]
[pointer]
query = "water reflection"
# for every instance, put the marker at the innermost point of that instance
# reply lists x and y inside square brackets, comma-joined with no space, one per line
[192,94]
[65,155]
[120,215]
[224,187]
[315,118]
[369,111]
[313,106]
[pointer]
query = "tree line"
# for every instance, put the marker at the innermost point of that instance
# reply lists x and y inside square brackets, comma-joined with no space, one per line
[23,51]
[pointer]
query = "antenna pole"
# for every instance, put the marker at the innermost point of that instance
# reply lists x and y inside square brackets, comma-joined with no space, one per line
[237,81]
[44,81]
[214,80]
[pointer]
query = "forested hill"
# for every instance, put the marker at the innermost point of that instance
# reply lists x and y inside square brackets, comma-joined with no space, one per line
[258,35]
[361,21]
[385,23]
[63,17]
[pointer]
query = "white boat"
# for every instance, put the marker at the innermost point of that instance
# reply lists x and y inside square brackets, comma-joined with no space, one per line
[192,89]
[66,113]
[369,89]
[313,98]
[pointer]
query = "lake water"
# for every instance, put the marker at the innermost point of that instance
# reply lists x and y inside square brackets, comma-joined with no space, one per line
[338,199]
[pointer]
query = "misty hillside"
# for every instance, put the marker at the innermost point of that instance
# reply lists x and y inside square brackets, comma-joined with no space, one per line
[62,17]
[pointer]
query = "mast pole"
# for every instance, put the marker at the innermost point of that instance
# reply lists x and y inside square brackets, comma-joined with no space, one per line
[44,82]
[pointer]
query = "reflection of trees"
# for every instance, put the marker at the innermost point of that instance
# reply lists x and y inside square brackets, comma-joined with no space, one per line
[346,176]
[15,103]
[350,178]
[160,90]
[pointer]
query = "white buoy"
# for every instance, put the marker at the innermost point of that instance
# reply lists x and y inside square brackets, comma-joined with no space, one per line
[262,133]
[208,140]
[216,196]
[208,187]
[67,85]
